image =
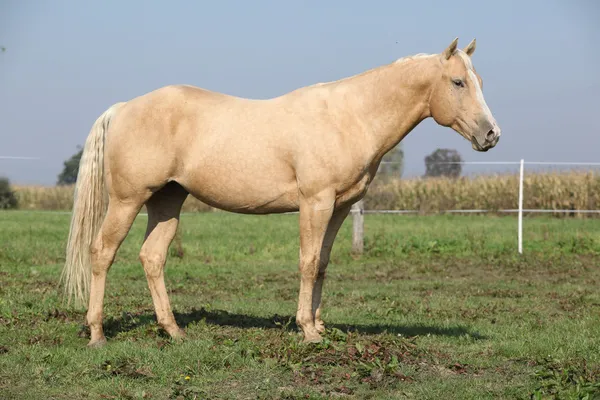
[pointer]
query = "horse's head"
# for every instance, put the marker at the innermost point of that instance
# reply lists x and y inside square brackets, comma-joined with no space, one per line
[457,100]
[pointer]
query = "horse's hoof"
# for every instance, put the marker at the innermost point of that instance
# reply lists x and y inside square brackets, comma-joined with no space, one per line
[313,339]
[95,344]
[177,335]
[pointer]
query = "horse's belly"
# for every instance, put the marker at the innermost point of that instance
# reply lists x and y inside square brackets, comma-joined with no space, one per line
[245,195]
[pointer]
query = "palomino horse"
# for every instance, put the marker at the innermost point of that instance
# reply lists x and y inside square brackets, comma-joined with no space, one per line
[314,150]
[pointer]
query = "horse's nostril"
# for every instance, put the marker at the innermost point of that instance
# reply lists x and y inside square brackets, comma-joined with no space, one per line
[491,135]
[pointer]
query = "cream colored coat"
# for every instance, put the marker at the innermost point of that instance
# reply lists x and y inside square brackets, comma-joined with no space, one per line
[314,150]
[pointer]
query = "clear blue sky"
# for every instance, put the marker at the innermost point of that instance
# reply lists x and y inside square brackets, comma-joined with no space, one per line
[67,61]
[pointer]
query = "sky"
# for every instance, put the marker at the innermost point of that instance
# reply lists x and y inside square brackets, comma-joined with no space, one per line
[67,61]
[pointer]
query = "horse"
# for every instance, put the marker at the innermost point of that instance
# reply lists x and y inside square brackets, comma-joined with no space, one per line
[313,150]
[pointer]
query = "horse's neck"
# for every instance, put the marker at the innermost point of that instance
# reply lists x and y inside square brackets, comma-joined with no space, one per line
[391,100]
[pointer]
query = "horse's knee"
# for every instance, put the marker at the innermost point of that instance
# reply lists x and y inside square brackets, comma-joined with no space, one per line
[153,263]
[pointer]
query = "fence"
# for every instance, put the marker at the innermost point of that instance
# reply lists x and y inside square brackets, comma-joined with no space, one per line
[358,210]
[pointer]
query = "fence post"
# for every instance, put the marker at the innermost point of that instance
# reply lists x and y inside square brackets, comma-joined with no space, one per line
[520,234]
[358,227]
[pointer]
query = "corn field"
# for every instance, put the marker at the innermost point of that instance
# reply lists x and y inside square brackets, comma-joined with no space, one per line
[548,191]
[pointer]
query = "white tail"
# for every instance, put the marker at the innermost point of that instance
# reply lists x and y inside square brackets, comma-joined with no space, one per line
[89,206]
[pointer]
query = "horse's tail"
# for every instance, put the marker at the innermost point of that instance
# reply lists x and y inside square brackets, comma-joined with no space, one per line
[89,205]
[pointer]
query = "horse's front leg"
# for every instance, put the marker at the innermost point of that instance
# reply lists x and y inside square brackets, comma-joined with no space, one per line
[315,214]
[335,223]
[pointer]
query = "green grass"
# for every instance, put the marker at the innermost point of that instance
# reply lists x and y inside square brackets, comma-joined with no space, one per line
[438,307]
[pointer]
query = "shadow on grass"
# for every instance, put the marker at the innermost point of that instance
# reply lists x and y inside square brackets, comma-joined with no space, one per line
[127,322]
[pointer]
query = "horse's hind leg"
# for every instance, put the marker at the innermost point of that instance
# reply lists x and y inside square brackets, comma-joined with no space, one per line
[164,208]
[116,225]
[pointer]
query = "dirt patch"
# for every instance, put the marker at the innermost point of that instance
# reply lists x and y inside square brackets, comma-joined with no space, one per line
[344,361]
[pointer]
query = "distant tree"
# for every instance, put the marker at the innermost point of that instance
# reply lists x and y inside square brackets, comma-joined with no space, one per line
[395,156]
[7,196]
[68,176]
[443,162]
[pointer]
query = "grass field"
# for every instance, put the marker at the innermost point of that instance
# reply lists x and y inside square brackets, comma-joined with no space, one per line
[438,307]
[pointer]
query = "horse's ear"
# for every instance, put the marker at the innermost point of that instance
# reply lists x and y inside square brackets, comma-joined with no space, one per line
[450,49]
[470,49]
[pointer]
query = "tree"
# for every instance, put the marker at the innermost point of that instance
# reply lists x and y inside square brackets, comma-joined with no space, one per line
[7,196]
[395,156]
[68,176]
[443,162]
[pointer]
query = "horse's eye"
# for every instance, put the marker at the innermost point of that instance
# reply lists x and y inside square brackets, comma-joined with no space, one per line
[458,82]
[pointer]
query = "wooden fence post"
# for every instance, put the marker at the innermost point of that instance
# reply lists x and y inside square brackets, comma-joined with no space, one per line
[358,227]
